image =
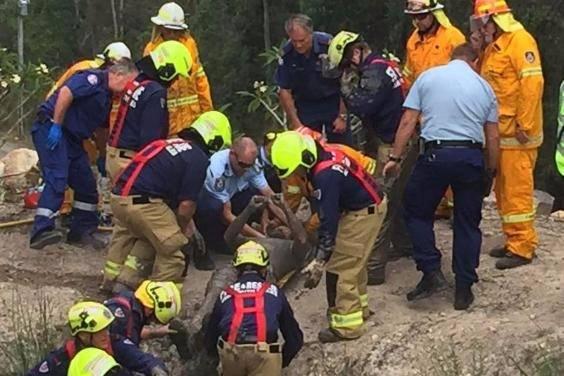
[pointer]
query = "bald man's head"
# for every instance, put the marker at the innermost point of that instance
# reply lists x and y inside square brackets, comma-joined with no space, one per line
[243,154]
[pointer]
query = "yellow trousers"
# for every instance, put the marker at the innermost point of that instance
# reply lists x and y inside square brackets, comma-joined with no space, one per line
[514,193]
[247,360]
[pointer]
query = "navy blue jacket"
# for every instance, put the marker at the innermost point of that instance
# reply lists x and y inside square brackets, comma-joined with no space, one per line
[91,105]
[316,98]
[57,362]
[378,98]
[334,191]
[147,116]
[279,316]
[175,174]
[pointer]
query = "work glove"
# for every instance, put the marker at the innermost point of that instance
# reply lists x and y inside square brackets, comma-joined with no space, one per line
[101,164]
[314,272]
[258,203]
[159,371]
[489,176]
[349,81]
[55,135]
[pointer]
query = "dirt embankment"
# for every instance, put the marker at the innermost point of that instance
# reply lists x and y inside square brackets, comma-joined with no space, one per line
[516,314]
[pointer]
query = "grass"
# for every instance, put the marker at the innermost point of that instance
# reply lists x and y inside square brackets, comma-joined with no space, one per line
[33,330]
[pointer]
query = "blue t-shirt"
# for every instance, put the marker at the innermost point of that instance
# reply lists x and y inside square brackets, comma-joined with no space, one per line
[91,104]
[454,101]
[222,183]
[316,98]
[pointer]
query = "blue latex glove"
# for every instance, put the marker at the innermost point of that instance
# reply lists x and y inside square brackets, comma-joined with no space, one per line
[55,135]
[101,164]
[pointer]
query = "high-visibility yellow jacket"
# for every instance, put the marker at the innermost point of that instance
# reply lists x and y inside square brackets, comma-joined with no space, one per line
[429,51]
[188,97]
[512,66]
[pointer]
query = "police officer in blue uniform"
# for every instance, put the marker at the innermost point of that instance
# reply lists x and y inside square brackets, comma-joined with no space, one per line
[90,324]
[307,97]
[457,108]
[246,319]
[154,198]
[69,116]
[372,88]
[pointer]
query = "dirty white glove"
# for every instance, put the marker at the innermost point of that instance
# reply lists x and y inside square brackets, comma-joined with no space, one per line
[314,272]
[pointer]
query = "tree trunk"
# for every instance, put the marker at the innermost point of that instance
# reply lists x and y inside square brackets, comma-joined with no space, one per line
[266,25]
[120,18]
[114,18]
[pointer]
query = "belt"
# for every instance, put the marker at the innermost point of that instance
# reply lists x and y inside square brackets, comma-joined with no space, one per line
[368,210]
[140,199]
[274,348]
[452,144]
[127,154]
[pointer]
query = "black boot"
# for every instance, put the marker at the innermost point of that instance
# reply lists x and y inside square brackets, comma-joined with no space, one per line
[430,283]
[86,239]
[498,252]
[463,296]
[45,238]
[203,261]
[377,276]
[510,261]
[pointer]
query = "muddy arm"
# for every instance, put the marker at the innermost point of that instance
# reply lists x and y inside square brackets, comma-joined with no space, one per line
[233,235]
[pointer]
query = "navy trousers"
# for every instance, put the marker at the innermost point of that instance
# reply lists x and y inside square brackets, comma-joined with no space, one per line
[67,164]
[463,170]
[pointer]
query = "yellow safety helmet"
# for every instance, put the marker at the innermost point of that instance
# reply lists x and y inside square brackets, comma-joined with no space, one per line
[215,129]
[91,361]
[338,45]
[422,6]
[162,297]
[171,59]
[171,16]
[496,9]
[89,317]
[251,253]
[291,150]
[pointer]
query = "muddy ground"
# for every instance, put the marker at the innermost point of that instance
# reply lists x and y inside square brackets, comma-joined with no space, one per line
[516,316]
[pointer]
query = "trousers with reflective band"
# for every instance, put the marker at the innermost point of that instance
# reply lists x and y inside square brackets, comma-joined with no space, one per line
[140,160]
[124,106]
[340,158]
[240,310]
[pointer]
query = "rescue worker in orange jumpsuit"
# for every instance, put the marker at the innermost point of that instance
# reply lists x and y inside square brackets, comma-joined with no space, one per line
[430,44]
[188,97]
[511,64]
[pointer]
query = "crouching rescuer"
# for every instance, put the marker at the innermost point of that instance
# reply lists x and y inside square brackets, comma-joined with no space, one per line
[351,208]
[247,316]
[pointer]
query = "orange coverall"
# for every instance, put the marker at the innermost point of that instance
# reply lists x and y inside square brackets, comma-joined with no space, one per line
[512,66]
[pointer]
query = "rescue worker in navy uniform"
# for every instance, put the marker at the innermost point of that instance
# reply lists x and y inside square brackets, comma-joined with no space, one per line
[142,118]
[372,88]
[246,318]
[351,210]
[89,324]
[67,118]
[459,112]
[158,302]
[154,199]
[308,98]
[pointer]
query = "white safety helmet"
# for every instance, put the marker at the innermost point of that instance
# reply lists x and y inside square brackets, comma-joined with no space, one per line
[115,51]
[171,16]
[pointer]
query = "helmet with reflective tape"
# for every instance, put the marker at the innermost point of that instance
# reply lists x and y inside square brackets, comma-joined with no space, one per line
[422,6]
[162,297]
[89,317]
[251,253]
[215,129]
[115,51]
[170,16]
[171,59]
[91,361]
[291,150]
[338,45]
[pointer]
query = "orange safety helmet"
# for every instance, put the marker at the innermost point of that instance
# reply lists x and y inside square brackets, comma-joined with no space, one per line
[490,7]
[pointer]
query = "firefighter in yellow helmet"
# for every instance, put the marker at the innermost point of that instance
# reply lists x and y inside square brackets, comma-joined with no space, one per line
[95,362]
[188,97]
[246,319]
[511,64]
[351,208]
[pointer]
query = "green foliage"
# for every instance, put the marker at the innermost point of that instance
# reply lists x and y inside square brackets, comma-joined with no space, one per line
[35,333]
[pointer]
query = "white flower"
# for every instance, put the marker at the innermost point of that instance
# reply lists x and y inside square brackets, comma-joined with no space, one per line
[3,49]
[263,88]
[4,84]
[256,85]
[16,79]
[44,68]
